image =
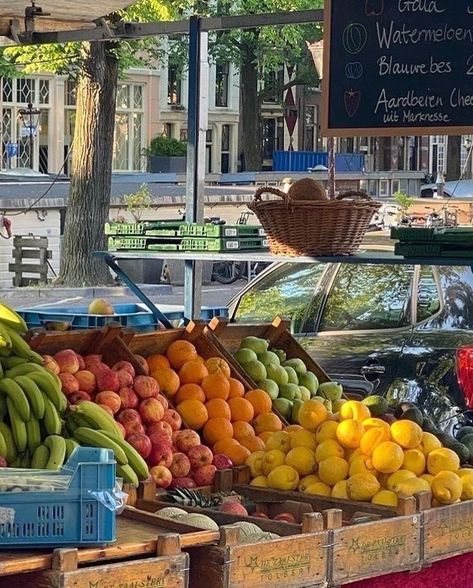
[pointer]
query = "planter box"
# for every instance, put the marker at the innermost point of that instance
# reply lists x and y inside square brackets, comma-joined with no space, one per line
[162,164]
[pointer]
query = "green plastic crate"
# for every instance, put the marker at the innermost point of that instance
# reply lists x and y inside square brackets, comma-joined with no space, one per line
[432,250]
[127,243]
[222,245]
[162,228]
[455,235]
[124,229]
[221,231]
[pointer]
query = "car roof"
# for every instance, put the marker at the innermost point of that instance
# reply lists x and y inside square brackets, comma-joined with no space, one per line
[456,188]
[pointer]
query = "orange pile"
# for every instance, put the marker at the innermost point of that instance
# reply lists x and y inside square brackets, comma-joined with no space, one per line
[210,401]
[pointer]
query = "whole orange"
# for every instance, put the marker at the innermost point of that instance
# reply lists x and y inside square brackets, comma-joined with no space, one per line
[242,429]
[157,361]
[193,413]
[193,372]
[188,391]
[217,429]
[236,388]
[267,422]
[167,379]
[241,409]
[216,386]
[260,400]
[217,365]
[179,352]
[216,407]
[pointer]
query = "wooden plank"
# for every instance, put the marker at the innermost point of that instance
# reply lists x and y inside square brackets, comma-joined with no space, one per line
[34,254]
[27,268]
[448,531]
[375,548]
[33,242]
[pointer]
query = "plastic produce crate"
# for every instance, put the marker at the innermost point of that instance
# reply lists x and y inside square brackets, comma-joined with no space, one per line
[133,316]
[216,244]
[453,235]
[163,227]
[80,511]
[127,243]
[211,230]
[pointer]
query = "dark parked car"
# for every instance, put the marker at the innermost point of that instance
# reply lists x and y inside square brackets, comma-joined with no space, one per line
[394,328]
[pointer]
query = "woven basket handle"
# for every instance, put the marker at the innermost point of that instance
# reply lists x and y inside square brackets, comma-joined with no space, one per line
[354,195]
[268,190]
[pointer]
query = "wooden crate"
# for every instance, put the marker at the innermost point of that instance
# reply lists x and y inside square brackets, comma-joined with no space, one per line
[25,249]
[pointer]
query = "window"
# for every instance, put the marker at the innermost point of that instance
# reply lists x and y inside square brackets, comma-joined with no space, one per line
[129,128]
[384,188]
[368,297]
[310,128]
[221,84]
[174,86]
[225,151]
[288,291]
[428,300]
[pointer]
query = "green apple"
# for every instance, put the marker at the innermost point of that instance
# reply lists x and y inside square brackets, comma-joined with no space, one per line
[268,357]
[296,405]
[288,391]
[297,364]
[256,370]
[310,381]
[281,354]
[336,404]
[305,393]
[244,356]
[255,344]
[277,373]
[284,406]
[330,390]
[270,387]
[292,374]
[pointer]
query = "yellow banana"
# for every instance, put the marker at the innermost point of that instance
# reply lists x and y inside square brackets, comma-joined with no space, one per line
[18,427]
[21,348]
[15,393]
[134,458]
[128,474]
[91,438]
[98,416]
[57,449]
[3,446]
[49,386]
[33,432]
[52,421]
[71,444]
[5,334]
[11,318]
[7,434]
[40,458]
[33,394]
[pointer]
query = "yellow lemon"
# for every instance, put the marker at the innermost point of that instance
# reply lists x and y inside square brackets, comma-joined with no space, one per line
[466,477]
[319,488]
[280,440]
[427,477]
[328,448]
[352,454]
[388,457]
[414,461]
[327,430]
[283,477]
[363,464]
[412,486]
[374,422]
[372,438]
[272,459]
[397,478]
[311,414]
[306,481]
[385,498]
[292,428]
[349,433]
[353,409]
[303,438]
[465,472]
[406,433]
[259,481]
[333,470]
[255,463]
[302,459]
[429,443]
[442,459]
[340,490]
[447,487]
[362,487]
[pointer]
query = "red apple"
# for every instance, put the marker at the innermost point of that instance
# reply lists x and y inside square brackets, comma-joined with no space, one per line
[128,397]
[81,361]
[110,399]
[143,363]
[180,465]
[69,383]
[161,427]
[106,408]
[151,410]
[128,415]
[160,455]
[124,365]
[67,361]
[141,443]
[51,364]
[146,387]
[86,380]
[183,483]
[125,379]
[92,360]
[3,462]
[222,462]
[199,456]
[160,439]
[205,475]
[233,507]
[77,397]
[260,515]
[173,418]
[287,517]
[132,428]
[161,476]
[163,400]
[186,439]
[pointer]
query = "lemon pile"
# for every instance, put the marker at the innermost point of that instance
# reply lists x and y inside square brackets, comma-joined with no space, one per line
[355,456]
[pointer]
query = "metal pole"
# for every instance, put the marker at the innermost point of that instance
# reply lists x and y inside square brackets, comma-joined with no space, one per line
[196,134]
[331,167]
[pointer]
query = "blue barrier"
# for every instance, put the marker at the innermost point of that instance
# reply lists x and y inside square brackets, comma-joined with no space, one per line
[301,161]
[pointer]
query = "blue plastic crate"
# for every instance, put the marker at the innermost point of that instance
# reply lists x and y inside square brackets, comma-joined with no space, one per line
[134,316]
[73,516]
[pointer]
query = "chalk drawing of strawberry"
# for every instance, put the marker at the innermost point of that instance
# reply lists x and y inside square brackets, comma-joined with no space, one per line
[352,102]
[374,7]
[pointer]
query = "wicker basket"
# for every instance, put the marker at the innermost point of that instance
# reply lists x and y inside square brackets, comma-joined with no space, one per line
[314,227]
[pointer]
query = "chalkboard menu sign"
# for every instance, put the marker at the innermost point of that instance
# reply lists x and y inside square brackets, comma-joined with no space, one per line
[398,67]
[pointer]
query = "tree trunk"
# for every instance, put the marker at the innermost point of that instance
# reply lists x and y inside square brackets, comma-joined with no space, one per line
[454,158]
[250,116]
[91,174]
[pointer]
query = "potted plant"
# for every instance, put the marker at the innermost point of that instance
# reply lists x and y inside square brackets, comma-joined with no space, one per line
[166,155]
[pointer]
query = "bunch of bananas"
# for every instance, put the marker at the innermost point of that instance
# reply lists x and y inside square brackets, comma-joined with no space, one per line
[33,412]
